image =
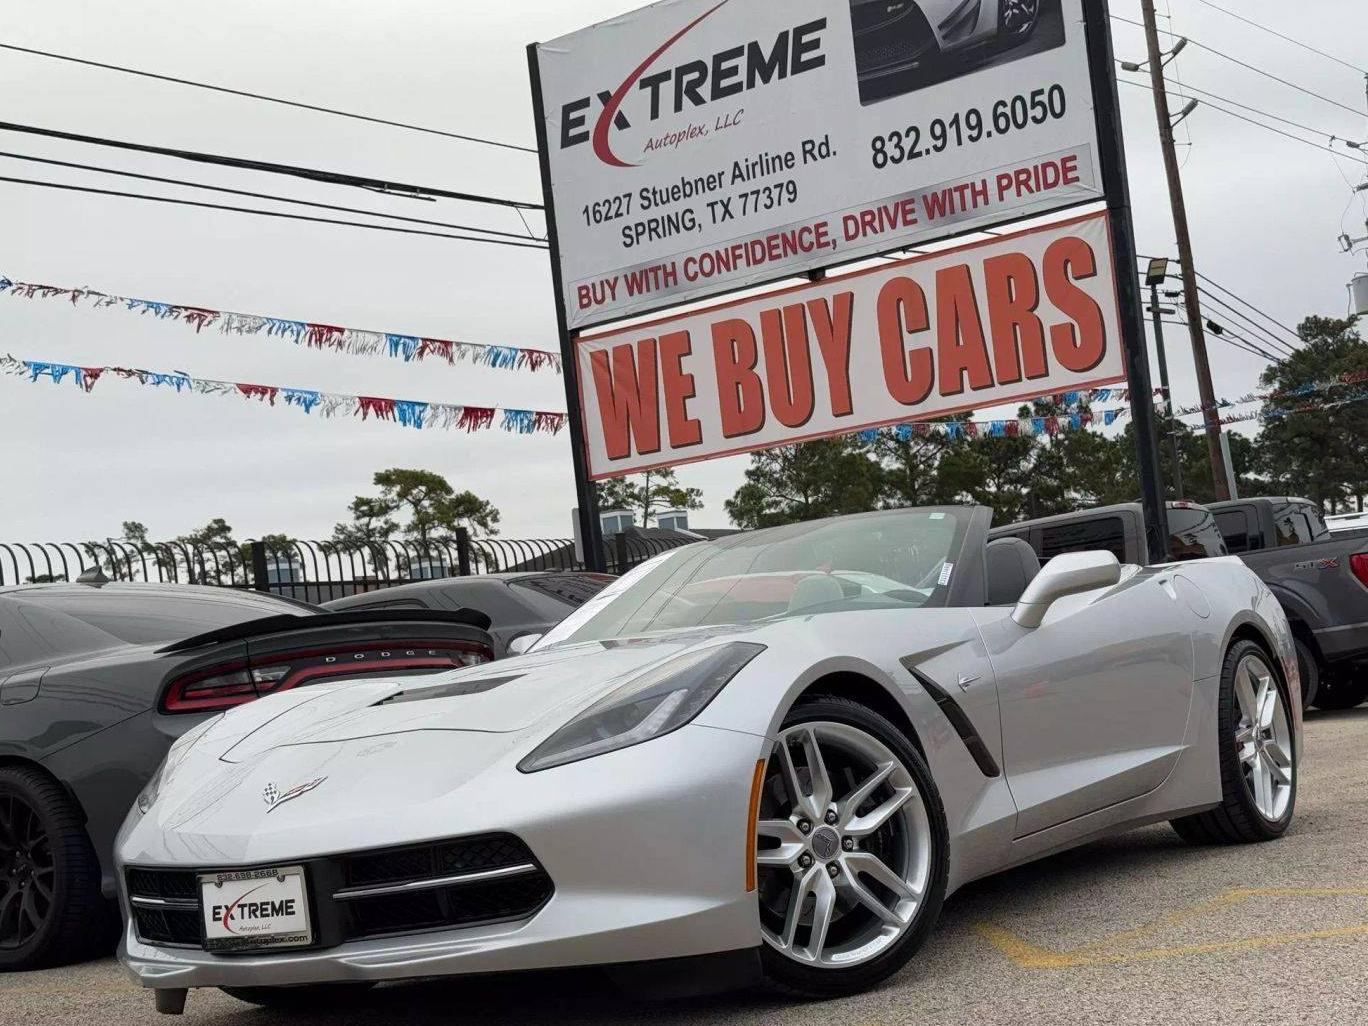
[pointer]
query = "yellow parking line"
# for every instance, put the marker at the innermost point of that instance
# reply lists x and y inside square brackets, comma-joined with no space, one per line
[1031,956]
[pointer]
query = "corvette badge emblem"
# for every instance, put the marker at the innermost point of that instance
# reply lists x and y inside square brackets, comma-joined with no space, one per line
[275,798]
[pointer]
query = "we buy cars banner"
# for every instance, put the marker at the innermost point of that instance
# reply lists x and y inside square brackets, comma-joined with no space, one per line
[699,147]
[1002,321]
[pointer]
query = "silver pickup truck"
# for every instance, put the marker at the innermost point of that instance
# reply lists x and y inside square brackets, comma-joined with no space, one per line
[1321,579]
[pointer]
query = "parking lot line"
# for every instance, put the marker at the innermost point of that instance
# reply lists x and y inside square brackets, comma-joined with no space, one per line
[1103,951]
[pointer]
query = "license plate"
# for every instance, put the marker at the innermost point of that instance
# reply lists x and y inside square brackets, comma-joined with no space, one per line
[254,909]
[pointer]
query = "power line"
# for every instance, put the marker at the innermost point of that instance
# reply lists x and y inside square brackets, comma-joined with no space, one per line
[1260,124]
[1245,302]
[267,99]
[1185,89]
[1286,38]
[1265,337]
[1247,347]
[264,195]
[310,174]
[1357,112]
[271,213]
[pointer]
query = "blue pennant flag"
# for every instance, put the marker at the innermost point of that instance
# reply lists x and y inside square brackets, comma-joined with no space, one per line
[410,414]
[405,346]
[293,330]
[55,371]
[304,398]
[522,422]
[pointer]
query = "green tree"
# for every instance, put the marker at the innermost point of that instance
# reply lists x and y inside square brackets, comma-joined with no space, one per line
[371,524]
[1321,454]
[803,482]
[430,507]
[645,494]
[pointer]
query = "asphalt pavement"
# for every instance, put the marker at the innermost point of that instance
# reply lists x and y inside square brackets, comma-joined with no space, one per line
[1138,929]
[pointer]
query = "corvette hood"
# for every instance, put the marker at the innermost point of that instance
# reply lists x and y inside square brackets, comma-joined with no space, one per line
[507,697]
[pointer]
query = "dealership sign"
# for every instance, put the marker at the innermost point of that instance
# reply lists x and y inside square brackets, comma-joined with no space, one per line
[698,147]
[997,322]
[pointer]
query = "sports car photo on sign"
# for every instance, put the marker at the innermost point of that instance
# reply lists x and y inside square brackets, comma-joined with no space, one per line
[905,45]
[779,752]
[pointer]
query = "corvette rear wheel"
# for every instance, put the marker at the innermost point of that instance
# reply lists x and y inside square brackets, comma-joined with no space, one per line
[1258,757]
[851,851]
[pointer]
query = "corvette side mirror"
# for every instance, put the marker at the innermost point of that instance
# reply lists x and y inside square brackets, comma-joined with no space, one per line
[522,643]
[1070,574]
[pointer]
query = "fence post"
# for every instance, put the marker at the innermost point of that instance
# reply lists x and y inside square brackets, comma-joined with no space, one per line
[462,552]
[260,578]
[620,544]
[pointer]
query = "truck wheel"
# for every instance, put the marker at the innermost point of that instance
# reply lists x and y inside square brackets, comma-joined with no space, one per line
[1308,668]
[1344,691]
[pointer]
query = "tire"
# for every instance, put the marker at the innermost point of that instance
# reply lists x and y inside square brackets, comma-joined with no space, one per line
[1308,668]
[316,997]
[1240,819]
[913,839]
[1025,15]
[51,910]
[1343,691]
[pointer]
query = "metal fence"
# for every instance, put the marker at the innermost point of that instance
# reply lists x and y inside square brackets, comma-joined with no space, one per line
[312,571]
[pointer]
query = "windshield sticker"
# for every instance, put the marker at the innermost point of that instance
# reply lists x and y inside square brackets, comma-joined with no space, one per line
[937,516]
[946,571]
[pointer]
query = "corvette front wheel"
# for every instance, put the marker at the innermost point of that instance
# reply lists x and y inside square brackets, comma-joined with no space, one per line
[851,851]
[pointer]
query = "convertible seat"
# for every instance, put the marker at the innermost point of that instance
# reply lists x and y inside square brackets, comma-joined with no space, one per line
[1012,565]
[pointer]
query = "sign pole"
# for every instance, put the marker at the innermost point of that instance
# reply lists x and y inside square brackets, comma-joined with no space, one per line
[1116,184]
[591,528]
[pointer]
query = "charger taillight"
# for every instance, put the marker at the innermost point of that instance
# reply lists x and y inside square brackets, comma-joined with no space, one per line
[216,688]
[1359,564]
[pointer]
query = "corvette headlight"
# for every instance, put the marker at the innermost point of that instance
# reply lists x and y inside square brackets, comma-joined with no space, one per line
[173,759]
[652,705]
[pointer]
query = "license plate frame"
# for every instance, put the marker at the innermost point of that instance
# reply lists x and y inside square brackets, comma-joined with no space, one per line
[230,924]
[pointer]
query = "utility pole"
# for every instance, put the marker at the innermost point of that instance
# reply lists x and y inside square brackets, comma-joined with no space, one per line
[1210,415]
[1158,272]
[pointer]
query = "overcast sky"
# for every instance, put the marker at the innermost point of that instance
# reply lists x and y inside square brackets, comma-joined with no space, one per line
[1265,216]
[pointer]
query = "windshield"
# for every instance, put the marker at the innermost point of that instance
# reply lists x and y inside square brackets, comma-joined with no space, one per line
[904,559]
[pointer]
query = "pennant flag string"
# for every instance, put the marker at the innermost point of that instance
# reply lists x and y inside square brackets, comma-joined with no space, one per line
[354,341]
[1021,427]
[1316,388]
[329,405]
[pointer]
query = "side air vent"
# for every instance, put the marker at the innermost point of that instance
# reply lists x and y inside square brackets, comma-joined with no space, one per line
[964,726]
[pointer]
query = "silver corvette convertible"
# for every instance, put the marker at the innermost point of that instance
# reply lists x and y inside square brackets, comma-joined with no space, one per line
[777,753]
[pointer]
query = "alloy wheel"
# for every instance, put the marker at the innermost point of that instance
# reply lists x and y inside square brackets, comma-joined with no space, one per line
[844,846]
[1019,16]
[27,873]
[1263,739]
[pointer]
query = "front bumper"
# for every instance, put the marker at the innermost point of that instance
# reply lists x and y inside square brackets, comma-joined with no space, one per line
[646,848]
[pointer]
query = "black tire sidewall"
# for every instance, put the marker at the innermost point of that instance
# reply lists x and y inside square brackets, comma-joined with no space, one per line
[1309,670]
[788,976]
[76,882]
[1230,756]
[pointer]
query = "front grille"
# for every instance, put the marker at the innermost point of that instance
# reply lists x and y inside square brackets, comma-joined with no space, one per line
[370,894]
[902,37]
[172,885]
[471,854]
[179,927]
[496,901]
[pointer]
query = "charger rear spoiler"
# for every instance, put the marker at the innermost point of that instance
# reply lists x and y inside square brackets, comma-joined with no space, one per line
[288,623]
